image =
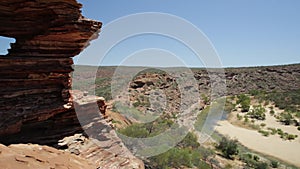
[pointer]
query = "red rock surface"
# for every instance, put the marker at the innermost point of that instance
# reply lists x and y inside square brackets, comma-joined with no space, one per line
[113,156]
[104,149]
[35,74]
[29,156]
[35,82]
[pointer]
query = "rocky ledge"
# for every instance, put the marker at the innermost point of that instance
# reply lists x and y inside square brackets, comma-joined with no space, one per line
[30,156]
[35,74]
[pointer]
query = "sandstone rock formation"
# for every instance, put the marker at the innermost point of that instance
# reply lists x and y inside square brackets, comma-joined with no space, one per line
[114,156]
[162,85]
[35,79]
[103,147]
[270,78]
[35,98]
[31,156]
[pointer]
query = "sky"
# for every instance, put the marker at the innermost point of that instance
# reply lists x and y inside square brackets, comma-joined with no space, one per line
[242,32]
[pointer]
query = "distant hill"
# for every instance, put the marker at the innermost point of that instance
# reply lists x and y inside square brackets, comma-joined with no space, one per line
[238,80]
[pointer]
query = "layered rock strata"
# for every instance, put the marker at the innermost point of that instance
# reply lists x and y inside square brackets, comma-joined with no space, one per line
[35,74]
[29,156]
[35,98]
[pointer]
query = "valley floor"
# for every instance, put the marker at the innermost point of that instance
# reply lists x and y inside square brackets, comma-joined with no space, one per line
[273,145]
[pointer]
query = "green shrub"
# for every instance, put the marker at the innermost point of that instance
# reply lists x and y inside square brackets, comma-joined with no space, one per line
[264,133]
[178,157]
[256,158]
[258,112]
[228,147]
[261,165]
[272,112]
[279,131]
[274,164]
[205,152]
[288,101]
[174,158]
[273,131]
[298,128]
[266,103]
[244,100]
[135,130]
[297,114]
[253,161]
[286,118]
[254,126]
[291,136]
[136,104]
[263,124]
[190,140]
[254,92]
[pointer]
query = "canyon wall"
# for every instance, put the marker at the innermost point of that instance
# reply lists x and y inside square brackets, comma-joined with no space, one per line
[35,74]
[35,88]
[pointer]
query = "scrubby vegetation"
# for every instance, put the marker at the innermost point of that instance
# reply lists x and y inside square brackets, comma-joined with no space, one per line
[286,118]
[253,161]
[103,87]
[228,147]
[244,100]
[274,164]
[258,112]
[187,152]
[148,129]
[264,133]
[288,101]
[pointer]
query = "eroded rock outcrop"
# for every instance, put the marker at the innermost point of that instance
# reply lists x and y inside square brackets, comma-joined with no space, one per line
[30,156]
[161,89]
[114,156]
[35,98]
[35,74]
[100,143]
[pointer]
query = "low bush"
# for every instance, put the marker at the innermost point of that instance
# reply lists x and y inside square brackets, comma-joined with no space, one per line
[274,164]
[264,133]
[272,112]
[263,124]
[244,100]
[273,130]
[258,112]
[291,136]
[228,147]
[253,161]
[286,118]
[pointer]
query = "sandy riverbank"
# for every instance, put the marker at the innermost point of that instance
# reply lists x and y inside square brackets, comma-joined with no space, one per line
[273,145]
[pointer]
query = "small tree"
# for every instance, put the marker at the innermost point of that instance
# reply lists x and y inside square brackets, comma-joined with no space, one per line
[261,165]
[274,164]
[190,140]
[258,112]
[228,147]
[244,100]
[286,118]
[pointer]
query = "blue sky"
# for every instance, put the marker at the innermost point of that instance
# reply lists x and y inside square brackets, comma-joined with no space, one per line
[244,32]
